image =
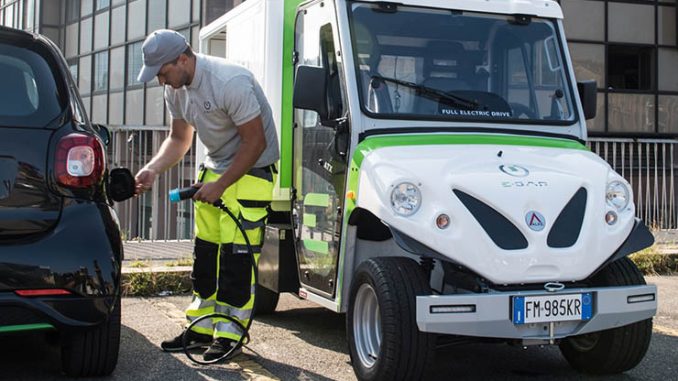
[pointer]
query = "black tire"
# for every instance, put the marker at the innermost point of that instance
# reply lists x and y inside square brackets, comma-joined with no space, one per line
[92,352]
[404,352]
[266,301]
[614,350]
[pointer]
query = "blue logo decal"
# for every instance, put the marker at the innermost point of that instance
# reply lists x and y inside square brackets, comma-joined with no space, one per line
[535,221]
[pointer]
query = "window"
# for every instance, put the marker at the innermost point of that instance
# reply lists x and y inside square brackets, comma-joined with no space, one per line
[73,68]
[86,35]
[118,25]
[630,67]
[179,13]
[72,10]
[30,96]
[134,63]
[156,18]
[101,71]
[102,4]
[86,8]
[117,68]
[101,31]
[136,20]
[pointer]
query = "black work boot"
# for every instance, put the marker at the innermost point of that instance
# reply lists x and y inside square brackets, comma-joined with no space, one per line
[220,346]
[193,340]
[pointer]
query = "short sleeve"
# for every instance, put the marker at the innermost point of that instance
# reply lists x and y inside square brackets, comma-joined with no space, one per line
[172,102]
[240,101]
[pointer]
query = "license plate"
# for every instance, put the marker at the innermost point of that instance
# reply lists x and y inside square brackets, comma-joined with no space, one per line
[548,308]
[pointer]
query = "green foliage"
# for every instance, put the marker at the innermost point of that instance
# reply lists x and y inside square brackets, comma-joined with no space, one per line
[180,262]
[650,262]
[153,283]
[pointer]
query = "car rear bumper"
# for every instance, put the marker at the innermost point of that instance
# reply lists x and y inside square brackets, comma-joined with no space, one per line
[491,316]
[19,313]
[82,255]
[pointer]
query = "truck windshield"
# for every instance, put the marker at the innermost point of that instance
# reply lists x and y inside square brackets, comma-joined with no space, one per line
[443,64]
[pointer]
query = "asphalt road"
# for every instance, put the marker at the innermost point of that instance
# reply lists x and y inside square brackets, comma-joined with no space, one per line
[305,342]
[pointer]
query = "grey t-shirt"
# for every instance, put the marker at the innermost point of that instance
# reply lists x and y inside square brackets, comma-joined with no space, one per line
[221,97]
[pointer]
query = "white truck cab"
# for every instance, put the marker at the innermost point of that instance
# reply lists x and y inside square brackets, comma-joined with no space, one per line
[435,182]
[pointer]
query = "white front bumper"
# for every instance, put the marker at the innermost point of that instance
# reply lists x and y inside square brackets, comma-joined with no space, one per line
[492,316]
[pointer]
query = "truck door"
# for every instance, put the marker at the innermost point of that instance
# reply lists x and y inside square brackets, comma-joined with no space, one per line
[319,169]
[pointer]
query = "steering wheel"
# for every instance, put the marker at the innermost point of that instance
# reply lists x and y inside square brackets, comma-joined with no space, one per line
[521,111]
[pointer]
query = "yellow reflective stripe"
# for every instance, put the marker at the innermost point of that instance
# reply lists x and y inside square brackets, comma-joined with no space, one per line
[317,199]
[199,312]
[321,247]
[309,220]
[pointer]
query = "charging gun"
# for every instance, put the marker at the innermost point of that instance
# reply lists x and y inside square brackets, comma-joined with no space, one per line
[180,194]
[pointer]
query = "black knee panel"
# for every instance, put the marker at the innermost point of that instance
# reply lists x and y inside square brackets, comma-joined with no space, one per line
[204,275]
[235,275]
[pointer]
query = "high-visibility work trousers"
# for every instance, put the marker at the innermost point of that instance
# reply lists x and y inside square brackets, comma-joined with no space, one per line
[223,276]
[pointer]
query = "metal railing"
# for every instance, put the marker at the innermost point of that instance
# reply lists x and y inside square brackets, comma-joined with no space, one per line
[648,164]
[151,216]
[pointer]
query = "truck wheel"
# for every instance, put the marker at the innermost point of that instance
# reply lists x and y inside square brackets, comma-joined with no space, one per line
[266,301]
[614,350]
[384,341]
[92,352]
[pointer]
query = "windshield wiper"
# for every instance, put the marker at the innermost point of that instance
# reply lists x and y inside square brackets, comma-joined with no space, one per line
[432,93]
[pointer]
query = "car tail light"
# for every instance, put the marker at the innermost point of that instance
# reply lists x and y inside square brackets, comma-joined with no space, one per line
[80,161]
[43,292]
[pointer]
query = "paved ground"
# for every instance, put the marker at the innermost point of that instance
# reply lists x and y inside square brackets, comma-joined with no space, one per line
[305,342]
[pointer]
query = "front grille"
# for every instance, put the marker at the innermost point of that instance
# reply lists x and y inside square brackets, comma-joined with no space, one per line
[502,232]
[12,315]
[566,228]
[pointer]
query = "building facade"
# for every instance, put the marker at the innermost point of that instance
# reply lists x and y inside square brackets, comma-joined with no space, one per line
[629,47]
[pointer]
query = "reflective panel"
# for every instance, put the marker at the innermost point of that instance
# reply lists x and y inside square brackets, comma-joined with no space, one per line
[667,25]
[117,68]
[597,124]
[631,113]
[134,112]
[668,114]
[99,106]
[631,23]
[136,26]
[86,7]
[101,71]
[101,31]
[156,18]
[71,40]
[154,106]
[584,19]
[134,63]
[668,69]
[118,25]
[179,13]
[115,106]
[85,80]
[86,35]
[589,62]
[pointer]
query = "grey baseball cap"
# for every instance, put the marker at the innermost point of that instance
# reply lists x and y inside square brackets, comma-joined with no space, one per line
[160,47]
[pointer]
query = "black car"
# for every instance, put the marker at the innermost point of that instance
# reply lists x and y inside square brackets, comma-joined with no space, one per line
[60,245]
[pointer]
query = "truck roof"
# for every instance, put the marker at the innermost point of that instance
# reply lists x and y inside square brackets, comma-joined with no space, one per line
[540,8]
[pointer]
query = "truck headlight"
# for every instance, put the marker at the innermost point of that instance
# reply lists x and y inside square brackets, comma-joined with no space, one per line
[618,195]
[405,199]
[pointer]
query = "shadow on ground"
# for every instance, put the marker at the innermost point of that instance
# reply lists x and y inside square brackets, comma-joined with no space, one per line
[35,356]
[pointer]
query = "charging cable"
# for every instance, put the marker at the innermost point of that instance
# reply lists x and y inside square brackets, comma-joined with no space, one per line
[180,194]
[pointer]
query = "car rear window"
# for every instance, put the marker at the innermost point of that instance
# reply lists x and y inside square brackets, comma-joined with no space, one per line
[29,96]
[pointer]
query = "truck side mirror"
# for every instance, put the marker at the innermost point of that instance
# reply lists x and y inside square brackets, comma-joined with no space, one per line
[588,93]
[310,90]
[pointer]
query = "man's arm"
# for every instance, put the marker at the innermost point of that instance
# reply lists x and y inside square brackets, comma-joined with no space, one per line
[252,145]
[171,152]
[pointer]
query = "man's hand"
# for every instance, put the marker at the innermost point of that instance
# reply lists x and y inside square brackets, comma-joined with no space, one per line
[208,192]
[144,180]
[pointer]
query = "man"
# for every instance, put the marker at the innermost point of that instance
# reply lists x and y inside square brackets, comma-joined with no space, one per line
[228,109]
